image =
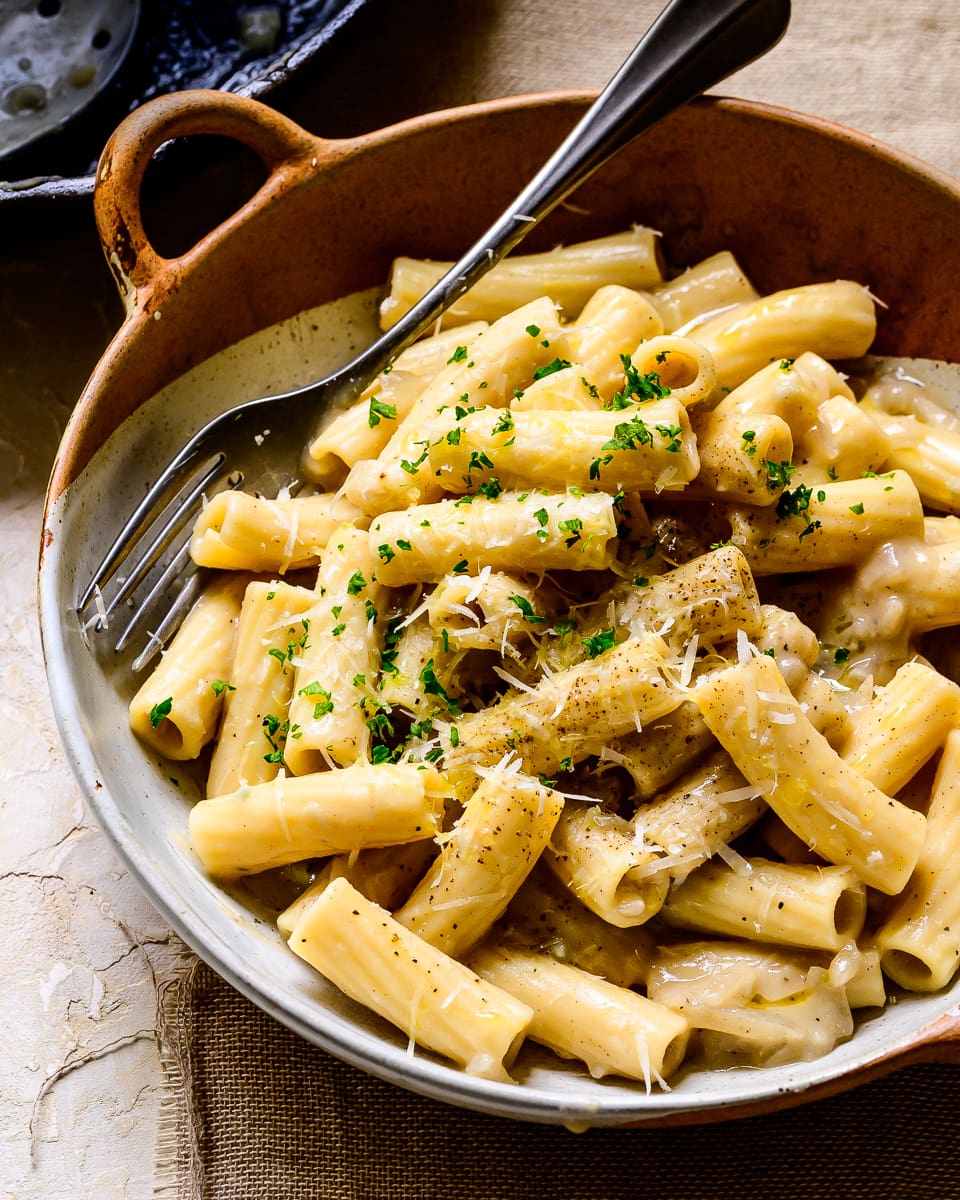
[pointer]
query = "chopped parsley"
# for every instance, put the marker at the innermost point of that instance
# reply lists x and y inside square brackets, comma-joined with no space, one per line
[323,705]
[600,642]
[527,609]
[857,509]
[492,488]
[356,583]
[749,442]
[637,388]
[551,368]
[459,355]
[380,411]
[778,473]
[161,711]
[219,687]
[386,552]
[505,422]
[840,655]
[433,687]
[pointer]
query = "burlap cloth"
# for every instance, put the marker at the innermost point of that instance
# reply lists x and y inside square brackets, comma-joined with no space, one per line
[254,1112]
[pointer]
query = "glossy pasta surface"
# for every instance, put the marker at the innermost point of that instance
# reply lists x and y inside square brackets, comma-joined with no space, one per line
[599,690]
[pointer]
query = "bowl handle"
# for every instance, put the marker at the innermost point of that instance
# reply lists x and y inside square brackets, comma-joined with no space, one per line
[280,144]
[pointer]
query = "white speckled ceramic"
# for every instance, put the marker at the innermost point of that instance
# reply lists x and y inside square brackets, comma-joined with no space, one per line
[796,199]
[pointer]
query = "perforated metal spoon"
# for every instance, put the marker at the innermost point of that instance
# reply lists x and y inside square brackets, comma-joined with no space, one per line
[55,57]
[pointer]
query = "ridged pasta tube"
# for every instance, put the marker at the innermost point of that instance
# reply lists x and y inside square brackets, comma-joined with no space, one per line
[572,714]
[336,671]
[177,709]
[491,849]
[919,941]
[486,372]
[239,532]
[711,597]
[783,903]
[436,1001]
[613,1030]
[835,525]
[362,430]
[649,448]
[837,812]
[930,454]
[754,1006]
[516,531]
[569,275]
[596,856]
[904,725]
[270,634]
[714,283]
[613,321]
[292,818]
[661,752]
[835,320]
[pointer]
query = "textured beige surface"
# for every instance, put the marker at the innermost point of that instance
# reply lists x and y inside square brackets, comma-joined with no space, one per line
[84,957]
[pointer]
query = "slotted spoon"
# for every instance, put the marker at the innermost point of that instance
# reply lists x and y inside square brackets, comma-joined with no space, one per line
[692,45]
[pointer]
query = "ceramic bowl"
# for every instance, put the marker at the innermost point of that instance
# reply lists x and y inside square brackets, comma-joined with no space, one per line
[795,198]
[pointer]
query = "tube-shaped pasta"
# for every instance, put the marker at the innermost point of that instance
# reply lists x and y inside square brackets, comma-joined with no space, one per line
[930,453]
[690,822]
[837,812]
[755,1006]
[714,283]
[436,1001]
[569,275]
[906,587]
[834,320]
[489,611]
[560,391]
[544,915]
[919,941]
[597,857]
[491,849]
[270,634]
[612,322]
[783,903]
[239,532]
[289,819]
[416,646]
[515,531]
[333,693]
[835,525]
[734,452]
[486,372]
[662,751]
[846,444]
[177,708]
[645,449]
[384,874]
[362,430]
[902,727]
[680,365]
[791,644]
[613,1030]
[570,714]
[712,597]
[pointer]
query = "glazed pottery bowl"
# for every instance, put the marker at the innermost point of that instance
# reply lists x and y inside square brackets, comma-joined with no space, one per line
[797,200]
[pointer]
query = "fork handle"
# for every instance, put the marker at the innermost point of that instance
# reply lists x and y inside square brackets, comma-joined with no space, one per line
[692,45]
[280,144]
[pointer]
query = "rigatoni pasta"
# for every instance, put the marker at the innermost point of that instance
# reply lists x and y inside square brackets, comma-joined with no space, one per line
[608,632]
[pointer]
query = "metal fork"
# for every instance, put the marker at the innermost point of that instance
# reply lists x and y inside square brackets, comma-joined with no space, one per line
[691,46]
